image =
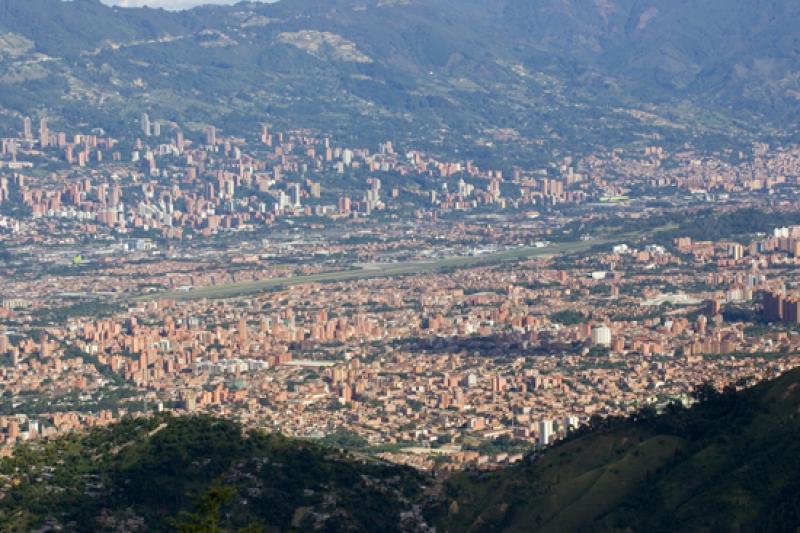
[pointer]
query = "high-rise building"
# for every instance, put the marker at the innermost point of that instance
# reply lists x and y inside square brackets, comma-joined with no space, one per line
[465,189]
[498,384]
[294,194]
[773,307]
[146,126]
[601,336]
[344,205]
[116,195]
[210,195]
[44,133]
[27,128]
[545,432]
[4,194]
[211,136]
[791,310]
[242,331]
[227,188]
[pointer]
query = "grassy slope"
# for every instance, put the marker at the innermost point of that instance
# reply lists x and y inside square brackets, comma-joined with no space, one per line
[731,464]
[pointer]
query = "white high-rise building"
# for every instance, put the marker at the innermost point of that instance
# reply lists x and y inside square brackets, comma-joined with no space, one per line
[545,432]
[146,126]
[27,128]
[601,336]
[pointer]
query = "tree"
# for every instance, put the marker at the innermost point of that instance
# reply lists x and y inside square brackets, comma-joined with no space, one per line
[207,517]
[705,392]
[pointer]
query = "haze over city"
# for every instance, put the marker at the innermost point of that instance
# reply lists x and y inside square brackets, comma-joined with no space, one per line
[168,4]
[400,266]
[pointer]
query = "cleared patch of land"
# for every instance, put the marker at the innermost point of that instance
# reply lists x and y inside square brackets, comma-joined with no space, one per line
[380,271]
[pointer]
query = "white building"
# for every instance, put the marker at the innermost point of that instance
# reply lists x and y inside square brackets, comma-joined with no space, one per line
[601,336]
[545,432]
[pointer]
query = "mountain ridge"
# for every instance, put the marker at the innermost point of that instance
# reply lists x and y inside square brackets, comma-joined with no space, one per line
[441,72]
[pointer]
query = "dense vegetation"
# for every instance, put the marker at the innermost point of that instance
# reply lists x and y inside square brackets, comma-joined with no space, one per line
[167,472]
[740,224]
[730,463]
[701,225]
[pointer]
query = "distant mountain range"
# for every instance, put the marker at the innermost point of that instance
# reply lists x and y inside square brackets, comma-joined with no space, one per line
[560,75]
[730,463]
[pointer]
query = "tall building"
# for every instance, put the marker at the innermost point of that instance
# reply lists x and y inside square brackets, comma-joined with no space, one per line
[791,310]
[116,195]
[736,251]
[4,194]
[44,133]
[242,331]
[498,384]
[227,188]
[210,195]
[294,194]
[773,307]
[344,205]
[146,126]
[545,432]
[211,136]
[27,128]
[601,336]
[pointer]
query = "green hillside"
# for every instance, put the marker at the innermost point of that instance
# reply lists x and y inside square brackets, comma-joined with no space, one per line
[731,463]
[153,475]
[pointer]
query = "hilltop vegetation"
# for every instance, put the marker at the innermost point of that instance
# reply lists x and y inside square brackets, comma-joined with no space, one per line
[156,474]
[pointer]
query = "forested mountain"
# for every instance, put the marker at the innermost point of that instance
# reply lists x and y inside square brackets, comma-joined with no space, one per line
[562,74]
